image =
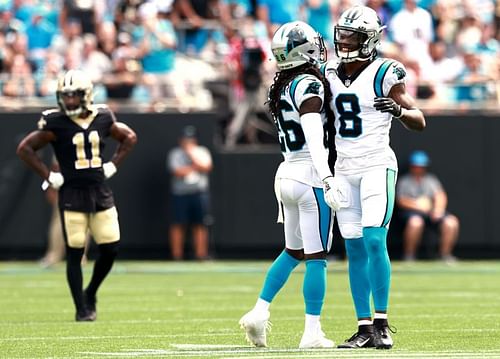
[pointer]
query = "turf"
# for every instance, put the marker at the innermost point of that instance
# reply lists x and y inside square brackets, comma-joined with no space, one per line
[191,310]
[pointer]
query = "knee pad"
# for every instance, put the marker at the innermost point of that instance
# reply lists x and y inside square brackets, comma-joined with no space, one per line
[351,230]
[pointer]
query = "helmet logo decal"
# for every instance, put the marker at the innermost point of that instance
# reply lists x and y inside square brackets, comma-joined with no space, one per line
[296,37]
[351,16]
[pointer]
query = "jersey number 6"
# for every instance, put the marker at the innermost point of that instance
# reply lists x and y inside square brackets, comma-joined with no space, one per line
[291,135]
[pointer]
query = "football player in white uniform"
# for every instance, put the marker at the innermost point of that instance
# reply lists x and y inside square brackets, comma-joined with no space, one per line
[368,92]
[304,185]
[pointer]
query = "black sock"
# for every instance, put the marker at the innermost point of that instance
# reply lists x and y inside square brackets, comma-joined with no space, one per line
[379,323]
[362,329]
[74,275]
[102,266]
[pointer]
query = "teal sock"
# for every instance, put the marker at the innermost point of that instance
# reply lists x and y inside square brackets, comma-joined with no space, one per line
[314,288]
[358,276]
[277,275]
[379,265]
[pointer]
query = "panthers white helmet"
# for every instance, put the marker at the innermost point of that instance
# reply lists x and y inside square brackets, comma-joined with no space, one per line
[296,43]
[74,84]
[357,34]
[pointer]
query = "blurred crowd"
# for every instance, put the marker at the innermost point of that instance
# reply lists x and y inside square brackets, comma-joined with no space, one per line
[161,54]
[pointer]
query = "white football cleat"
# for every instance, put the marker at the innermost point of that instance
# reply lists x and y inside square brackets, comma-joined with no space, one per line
[315,340]
[256,324]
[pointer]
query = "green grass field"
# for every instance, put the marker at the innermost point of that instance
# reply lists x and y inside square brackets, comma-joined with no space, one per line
[191,310]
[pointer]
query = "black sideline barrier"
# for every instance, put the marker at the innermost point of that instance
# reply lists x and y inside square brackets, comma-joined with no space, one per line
[463,150]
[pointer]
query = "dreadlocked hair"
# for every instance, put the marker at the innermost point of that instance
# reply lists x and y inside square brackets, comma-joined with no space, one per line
[284,77]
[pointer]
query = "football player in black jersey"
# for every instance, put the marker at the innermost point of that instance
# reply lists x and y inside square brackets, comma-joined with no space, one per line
[77,131]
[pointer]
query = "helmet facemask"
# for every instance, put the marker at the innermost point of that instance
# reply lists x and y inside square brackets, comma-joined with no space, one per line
[353,45]
[67,102]
[323,57]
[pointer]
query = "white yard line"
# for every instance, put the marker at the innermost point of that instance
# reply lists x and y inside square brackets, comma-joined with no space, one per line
[236,352]
[221,333]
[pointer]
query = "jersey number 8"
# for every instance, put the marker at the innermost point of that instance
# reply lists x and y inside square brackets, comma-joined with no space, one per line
[348,109]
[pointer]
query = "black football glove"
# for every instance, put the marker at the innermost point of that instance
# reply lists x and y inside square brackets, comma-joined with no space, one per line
[387,104]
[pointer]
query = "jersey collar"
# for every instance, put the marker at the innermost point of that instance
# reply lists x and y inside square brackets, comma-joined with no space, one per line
[346,79]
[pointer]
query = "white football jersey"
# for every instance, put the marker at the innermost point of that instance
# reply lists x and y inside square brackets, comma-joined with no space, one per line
[298,163]
[362,132]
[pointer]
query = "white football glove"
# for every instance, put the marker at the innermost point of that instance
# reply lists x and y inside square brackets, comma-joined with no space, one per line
[334,197]
[55,180]
[109,169]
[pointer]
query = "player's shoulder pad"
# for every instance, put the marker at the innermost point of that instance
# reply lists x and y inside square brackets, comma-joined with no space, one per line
[398,70]
[101,108]
[305,86]
[48,117]
[311,85]
[389,73]
[104,110]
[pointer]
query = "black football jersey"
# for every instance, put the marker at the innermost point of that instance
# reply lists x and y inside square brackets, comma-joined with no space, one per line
[79,143]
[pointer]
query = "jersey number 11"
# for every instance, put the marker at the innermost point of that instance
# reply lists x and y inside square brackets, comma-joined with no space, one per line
[82,161]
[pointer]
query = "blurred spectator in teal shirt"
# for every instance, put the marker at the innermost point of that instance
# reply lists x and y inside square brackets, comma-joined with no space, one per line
[40,33]
[320,18]
[156,41]
[277,12]
[473,81]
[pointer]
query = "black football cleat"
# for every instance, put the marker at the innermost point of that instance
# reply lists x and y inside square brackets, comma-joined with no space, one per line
[90,305]
[382,336]
[84,316]
[359,340]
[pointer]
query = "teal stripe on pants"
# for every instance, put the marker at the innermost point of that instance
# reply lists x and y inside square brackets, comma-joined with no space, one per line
[391,192]
[325,216]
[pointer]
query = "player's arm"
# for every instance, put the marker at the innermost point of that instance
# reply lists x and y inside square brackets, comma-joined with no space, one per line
[312,126]
[411,117]
[395,100]
[28,147]
[401,105]
[127,140]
